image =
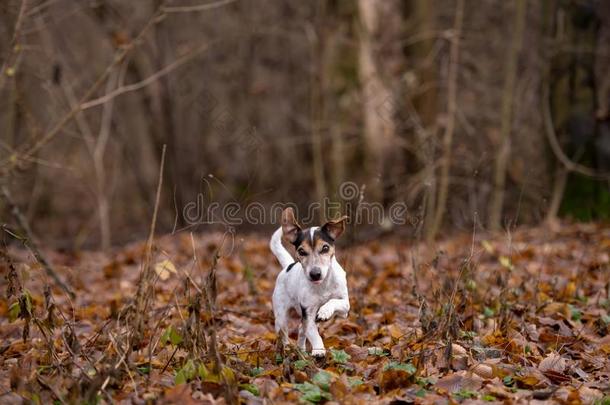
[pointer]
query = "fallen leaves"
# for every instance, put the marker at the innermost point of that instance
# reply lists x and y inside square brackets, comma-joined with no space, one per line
[522,321]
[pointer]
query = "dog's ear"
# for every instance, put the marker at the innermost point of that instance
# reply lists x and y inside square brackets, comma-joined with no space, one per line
[290,227]
[335,228]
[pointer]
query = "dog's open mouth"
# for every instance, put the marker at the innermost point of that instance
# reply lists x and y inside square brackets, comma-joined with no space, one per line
[316,281]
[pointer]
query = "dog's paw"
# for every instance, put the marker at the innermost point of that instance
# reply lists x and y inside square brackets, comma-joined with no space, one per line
[318,352]
[325,313]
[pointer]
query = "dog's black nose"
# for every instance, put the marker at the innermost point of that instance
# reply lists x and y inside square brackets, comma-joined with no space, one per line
[315,274]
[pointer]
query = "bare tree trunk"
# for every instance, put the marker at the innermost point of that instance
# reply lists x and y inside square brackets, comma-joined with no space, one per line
[336,125]
[98,153]
[561,173]
[96,146]
[559,185]
[317,38]
[379,101]
[424,116]
[454,60]
[602,84]
[503,153]
[337,153]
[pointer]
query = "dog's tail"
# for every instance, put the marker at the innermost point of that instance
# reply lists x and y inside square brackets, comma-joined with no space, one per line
[279,250]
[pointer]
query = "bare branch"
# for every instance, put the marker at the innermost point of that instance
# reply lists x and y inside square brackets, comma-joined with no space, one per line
[149,80]
[30,244]
[570,165]
[41,7]
[199,7]
[14,58]
[13,161]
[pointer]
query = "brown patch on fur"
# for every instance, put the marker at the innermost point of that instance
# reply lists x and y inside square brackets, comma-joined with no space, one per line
[319,244]
[315,256]
[312,245]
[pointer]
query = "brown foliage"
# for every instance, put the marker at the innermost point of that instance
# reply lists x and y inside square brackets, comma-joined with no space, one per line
[485,319]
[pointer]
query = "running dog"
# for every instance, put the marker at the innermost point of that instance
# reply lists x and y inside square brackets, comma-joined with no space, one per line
[314,285]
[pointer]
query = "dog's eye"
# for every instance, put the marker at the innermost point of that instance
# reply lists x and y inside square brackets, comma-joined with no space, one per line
[325,249]
[302,252]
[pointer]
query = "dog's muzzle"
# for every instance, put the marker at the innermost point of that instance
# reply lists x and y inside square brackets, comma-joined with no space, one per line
[315,274]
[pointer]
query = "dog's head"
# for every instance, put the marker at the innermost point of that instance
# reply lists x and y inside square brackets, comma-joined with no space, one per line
[315,246]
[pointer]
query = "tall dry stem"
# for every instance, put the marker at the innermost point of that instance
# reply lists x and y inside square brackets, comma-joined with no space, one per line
[144,292]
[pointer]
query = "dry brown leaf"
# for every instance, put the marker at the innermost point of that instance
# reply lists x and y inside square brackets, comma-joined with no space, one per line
[165,269]
[483,370]
[394,378]
[450,383]
[395,331]
[589,395]
[458,350]
[556,377]
[553,362]
[499,391]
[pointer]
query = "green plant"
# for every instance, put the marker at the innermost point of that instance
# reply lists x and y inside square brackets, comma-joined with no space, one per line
[394,365]
[312,393]
[301,364]
[339,356]
[465,394]
[322,379]
[250,388]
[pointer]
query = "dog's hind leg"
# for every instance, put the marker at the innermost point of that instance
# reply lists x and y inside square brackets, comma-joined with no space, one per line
[282,339]
[302,340]
[280,313]
[281,326]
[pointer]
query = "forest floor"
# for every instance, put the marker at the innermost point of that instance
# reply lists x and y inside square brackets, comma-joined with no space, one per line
[519,317]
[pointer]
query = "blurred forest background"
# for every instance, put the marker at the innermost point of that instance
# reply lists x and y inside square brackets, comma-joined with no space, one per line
[489,111]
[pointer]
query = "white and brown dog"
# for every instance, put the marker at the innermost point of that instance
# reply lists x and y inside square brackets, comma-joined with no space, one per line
[314,285]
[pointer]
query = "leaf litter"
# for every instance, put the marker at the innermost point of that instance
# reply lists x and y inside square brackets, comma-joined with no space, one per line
[494,318]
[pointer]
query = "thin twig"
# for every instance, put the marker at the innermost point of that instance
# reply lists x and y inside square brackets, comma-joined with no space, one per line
[199,7]
[28,241]
[51,388]
[13,60]
[145,82]
[153,223]
[144,281]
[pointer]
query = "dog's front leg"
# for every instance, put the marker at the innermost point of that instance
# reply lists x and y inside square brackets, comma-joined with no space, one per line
[339,306]
[311,333]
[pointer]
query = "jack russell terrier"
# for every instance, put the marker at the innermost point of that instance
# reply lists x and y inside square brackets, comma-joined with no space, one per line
[314,285]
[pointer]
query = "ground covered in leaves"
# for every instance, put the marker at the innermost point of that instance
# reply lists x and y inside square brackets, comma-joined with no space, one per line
[515,317]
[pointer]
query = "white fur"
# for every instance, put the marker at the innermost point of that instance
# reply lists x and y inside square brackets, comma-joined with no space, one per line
[293,289]
[275,244]
[312,230]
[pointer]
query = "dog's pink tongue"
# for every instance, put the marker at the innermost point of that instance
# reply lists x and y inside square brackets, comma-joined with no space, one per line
[317,282]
